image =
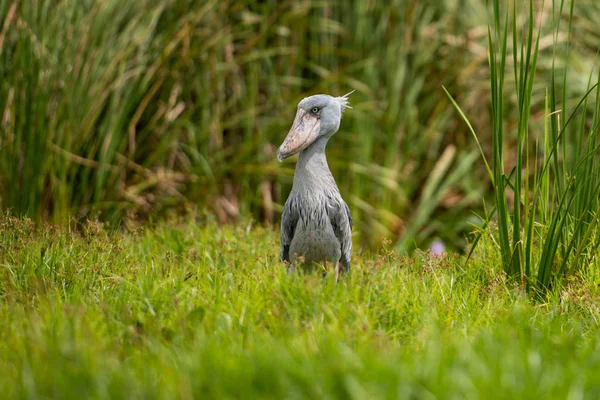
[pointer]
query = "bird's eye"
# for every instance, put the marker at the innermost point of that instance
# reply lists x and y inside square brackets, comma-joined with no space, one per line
[315,110]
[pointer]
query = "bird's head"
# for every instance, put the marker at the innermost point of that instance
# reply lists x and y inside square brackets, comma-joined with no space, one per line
[317,116]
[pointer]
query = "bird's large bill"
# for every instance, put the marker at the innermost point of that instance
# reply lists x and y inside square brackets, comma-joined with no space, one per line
[305,130]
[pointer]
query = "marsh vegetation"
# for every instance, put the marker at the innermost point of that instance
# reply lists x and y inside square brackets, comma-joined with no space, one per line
[141,194]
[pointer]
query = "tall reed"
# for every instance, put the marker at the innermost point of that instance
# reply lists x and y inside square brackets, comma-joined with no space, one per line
[155,106]
[549,229]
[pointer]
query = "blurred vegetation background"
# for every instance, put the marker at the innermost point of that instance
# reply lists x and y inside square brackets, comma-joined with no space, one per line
[150,108]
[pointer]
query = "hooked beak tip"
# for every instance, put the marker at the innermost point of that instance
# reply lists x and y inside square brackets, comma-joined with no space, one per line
[280,155]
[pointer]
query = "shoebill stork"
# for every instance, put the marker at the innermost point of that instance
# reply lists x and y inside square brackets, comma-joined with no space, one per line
[316,225]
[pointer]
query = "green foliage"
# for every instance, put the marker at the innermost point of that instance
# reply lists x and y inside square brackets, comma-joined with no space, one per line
[555,194]
[204,311]
[151,106]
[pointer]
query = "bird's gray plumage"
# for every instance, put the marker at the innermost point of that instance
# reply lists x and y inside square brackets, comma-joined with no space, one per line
[316,223]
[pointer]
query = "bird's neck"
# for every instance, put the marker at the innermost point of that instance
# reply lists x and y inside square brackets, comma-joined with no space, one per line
[312,170]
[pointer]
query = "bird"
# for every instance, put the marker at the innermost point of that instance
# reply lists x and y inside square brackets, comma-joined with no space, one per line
[316,224]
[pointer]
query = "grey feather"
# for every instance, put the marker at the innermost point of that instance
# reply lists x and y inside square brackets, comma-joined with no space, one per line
[289,219]
[341,220]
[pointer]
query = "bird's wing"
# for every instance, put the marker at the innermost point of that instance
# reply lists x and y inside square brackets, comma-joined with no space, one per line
[347,209]
[341,221]
[289,219]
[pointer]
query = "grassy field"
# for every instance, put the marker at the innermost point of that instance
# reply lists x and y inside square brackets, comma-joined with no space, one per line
[466,113]
[196,310]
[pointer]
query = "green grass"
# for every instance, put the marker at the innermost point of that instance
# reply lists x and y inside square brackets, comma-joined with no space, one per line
[193,309]
[176,105]
[553,176]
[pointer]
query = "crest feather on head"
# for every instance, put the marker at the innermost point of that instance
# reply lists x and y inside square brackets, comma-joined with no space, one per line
[343,101]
